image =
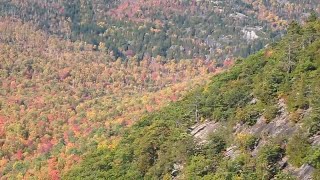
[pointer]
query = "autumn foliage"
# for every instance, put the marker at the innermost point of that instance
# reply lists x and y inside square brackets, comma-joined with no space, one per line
[58,99]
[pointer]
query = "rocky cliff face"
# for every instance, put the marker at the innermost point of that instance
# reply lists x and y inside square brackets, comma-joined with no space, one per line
[279,127]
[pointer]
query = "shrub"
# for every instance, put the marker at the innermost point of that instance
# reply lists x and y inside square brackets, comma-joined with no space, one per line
[248,115]
[297,149]
[267,160]
[314,157]
[296,115]
[271,112]
[198,167]
[216,144]
[246,141]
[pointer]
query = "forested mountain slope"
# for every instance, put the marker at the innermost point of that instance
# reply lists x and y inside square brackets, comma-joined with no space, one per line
[58,98]
[75,73]
[267,108]
[173,29]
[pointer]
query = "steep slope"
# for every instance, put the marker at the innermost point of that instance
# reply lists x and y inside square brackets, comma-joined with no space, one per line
[265,123]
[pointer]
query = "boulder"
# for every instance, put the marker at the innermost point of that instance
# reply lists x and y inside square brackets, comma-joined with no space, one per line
[202,131]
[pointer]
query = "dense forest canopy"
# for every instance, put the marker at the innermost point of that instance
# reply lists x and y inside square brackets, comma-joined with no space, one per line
[273,86]
[174,29]
[76,75]
[58,98]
